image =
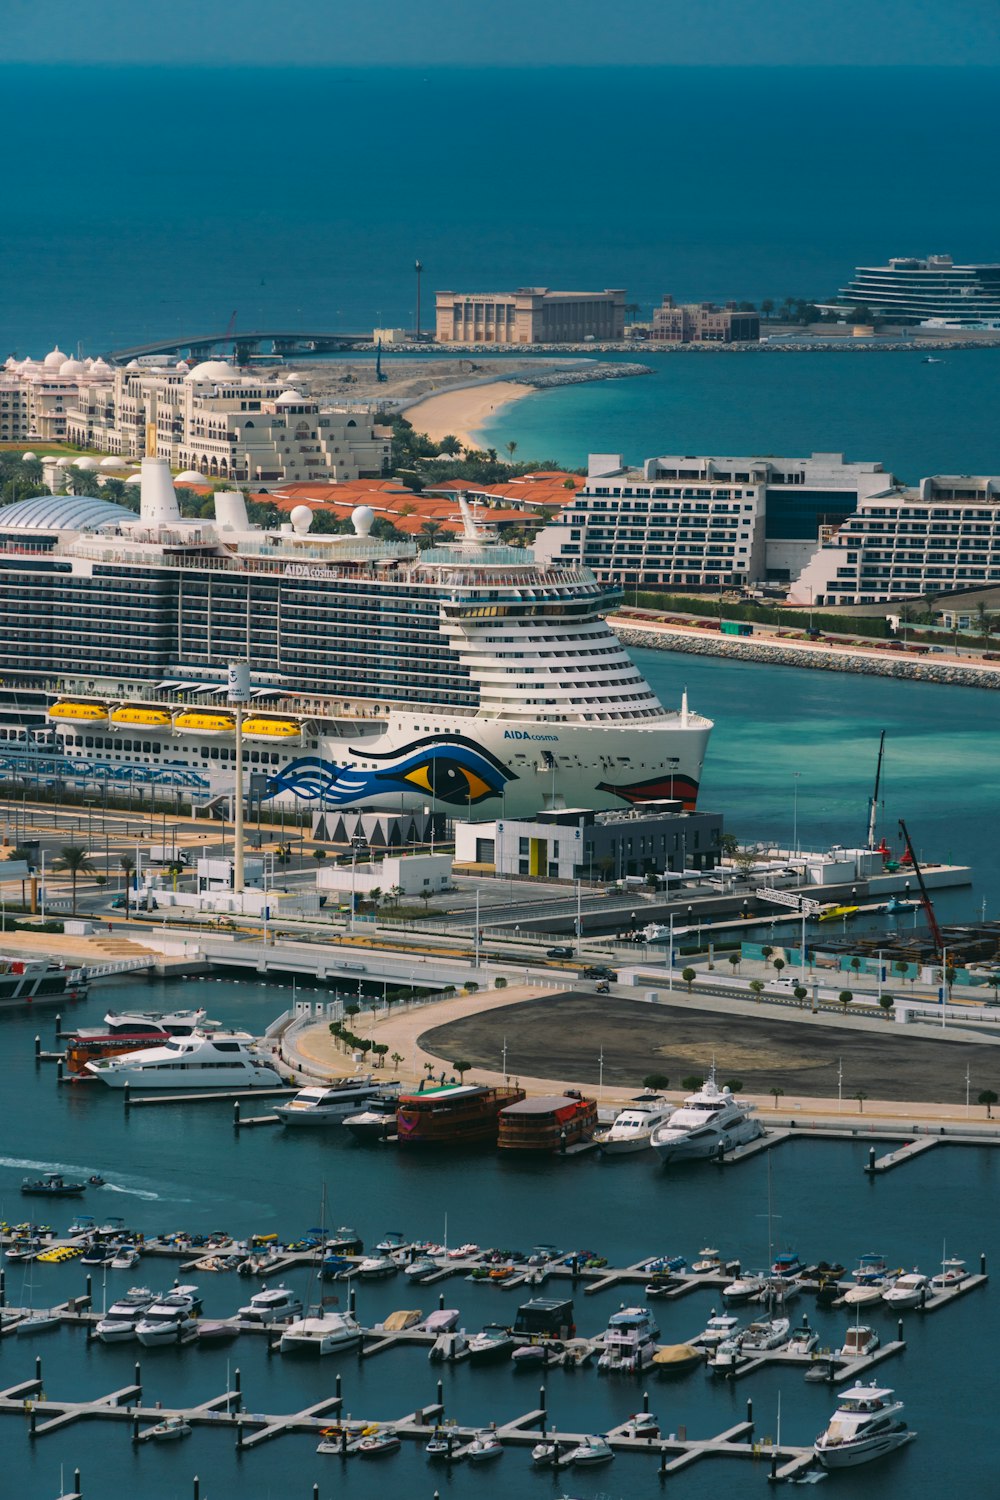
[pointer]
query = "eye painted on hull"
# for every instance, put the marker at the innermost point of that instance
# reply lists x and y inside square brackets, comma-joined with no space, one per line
[448,779]
[454,771]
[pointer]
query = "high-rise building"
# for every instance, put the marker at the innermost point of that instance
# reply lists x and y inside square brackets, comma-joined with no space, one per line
[530,315]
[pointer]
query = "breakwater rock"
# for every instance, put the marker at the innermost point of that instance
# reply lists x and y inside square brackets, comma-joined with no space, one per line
[581,376]
[811,659]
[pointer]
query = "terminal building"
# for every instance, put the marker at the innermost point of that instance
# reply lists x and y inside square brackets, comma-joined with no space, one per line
[706,523]
[933,290]
[578,844]
[703,323]
[530,315]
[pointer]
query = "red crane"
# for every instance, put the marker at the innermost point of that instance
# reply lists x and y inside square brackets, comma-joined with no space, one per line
[925,899]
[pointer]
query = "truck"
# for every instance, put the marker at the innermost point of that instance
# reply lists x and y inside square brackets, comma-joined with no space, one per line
[166,854]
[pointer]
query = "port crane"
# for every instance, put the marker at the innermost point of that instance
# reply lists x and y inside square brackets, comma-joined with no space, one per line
[925,899]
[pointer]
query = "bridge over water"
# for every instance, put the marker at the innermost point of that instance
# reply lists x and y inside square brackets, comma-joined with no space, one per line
[281,342]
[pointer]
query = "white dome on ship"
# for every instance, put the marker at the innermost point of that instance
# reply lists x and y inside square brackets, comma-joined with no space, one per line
[363,518]
[213,369]
[301,518]
[55,359]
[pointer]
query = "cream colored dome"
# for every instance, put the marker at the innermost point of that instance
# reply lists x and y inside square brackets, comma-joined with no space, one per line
[86,463]
[189,476]
[213,369]
[29,458]
[55,359]
[113,463]
[72,367]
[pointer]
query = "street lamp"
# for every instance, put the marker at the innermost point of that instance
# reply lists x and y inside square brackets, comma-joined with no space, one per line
[795,811]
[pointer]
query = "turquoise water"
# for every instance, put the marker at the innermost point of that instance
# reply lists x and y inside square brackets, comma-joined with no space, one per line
[184,1167]
[890,408]
[772,723]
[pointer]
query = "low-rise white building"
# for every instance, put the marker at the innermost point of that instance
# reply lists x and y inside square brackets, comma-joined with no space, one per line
[705,522]
[410,875]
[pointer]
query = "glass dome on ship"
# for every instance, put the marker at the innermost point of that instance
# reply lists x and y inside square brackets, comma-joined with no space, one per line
[470,675]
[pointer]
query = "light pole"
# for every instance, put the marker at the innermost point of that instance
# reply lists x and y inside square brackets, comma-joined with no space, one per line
[579,928]
[840,1083]
[795,811]
[670,967]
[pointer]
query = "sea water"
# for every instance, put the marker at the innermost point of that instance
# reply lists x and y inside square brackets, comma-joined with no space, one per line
[172,1167]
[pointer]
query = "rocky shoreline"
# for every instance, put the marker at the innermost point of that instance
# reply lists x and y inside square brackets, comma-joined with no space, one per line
[580,377]
[867,664]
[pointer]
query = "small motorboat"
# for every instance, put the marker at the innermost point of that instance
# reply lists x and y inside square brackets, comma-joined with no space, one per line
[952,1273]
[440,1444]
[345,1437]
[125,1258]
[546,1455]
[398,1322]
[767,1333]
[802,1340]
[677,1359]
[871,1268]
[643,1424]
[727,1357]
[215,1334]
[391,1243]
[442,1320]
[708,1262]
[866,1425]
[868,1294]
[378,1444]
[168,1430]
[858,1341]
[52,1185]
[909,1290]
[447,1347]
[822,1370]
[373,1267]
[530,1356]
[719,1326]
[787,1263]
[743,1287]
[590,1453]
[493,1342]
[421,1267]
[484,1446]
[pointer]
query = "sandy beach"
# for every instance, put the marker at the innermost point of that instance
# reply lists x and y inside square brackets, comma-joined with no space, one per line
[462,413]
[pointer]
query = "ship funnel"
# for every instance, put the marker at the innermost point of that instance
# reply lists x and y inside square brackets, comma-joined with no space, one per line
[684,708]
[158,498]
[231,511]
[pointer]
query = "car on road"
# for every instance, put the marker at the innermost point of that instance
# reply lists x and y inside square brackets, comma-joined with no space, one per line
[559,953]
[598,971]
[142,904]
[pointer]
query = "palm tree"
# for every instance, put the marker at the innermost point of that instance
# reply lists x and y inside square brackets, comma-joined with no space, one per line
[429,532]
[75,861]
[777,1093]
[861,1096]
[375,895]
[511,449]
[397,1058]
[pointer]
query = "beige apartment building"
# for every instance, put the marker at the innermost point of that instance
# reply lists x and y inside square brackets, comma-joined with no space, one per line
[530,315]
[702,323]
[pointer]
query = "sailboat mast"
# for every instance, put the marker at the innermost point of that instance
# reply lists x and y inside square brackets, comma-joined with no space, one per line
[873,802]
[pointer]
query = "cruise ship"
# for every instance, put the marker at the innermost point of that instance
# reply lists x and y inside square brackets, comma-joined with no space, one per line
[467,674]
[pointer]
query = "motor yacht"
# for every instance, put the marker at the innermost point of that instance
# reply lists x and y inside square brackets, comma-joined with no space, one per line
[909,1290]
[168,1430]
[421,1267]
[374,1267]
[590,1453]
[134,1022]
[630,1340]
[744,1286]
[709,1120]
[274,1304]
[204,1060]
[377,1120]
[168,1319]
[858,1341]
[328,1104]
[765,1333]
[868,1293]
[719,1326]
[802,1340]
[319,1333]
[726,1356]
[118,1324]
[866,1425]
[633,1127]
[493,1342]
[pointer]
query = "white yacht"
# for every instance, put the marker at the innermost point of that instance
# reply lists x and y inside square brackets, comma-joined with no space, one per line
[117,1325]
[909,1290]
[272,1305]
[720,1326]
[204,1060]
[169,1318]
[633,1128]
[858,1341]
[765,1333]
[328,1104]
[376,1121]
[867,1424]
[630,1340]
[320,1332]
[951,1274]
[135,1022]
[743,1286]
[709,1120]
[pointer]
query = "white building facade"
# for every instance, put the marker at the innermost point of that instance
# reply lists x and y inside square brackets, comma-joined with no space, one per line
[705,522]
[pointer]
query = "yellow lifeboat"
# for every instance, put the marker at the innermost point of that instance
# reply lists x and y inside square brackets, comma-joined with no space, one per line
[145,718]
[258,728]
[191,721]
[79,713]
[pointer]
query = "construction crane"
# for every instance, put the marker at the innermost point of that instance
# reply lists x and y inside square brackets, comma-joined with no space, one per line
[925,899]
[873,799]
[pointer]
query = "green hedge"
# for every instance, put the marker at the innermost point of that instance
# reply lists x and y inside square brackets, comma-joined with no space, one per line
[765,614]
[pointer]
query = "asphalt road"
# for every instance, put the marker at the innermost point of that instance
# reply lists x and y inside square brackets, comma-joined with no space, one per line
[563,1038]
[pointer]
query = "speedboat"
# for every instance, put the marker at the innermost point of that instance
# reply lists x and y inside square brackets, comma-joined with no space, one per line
[402,1319]
[858,1341]
[787,1264]
[204,1060]
[909,1290]
[677,1359]
[421,1267]
[392,1242]
[320,1333]
[591,1452]
[52,1185]
[630,1340]
[709,1120]
[327,1104]
[547,1455]
[118,1323]
[868,1294]
[866,1425]
[802,1339]
[272,1305]
[726,1356]
[442,1320]
[494,1342]
[633,1127]
[125,1257]
[372,1267]
[377,1120]
[644,1424]
[169,1429]
[708,1263]
[378,1444]
[744,1286]
[766,1333]
[484,1446]
[167,1320]
[871,1268]
[439,1444]
[952,1273]
[719,1326]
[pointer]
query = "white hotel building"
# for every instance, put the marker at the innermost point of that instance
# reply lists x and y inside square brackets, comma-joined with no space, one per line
[706,523]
